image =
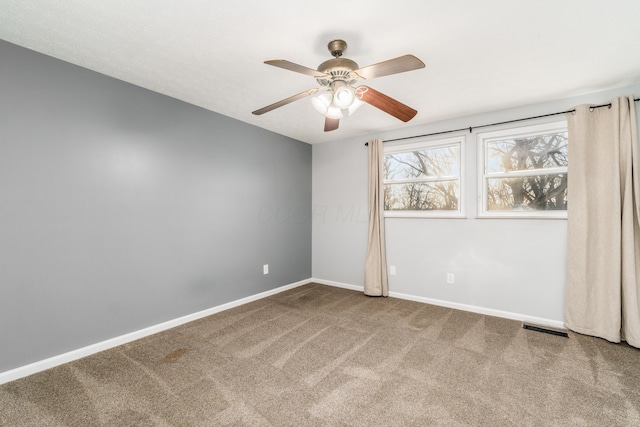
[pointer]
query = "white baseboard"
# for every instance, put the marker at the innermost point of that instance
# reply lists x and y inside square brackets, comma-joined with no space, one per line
[54,361]
[70,356]
[482,310]
[338,284]
[458,306]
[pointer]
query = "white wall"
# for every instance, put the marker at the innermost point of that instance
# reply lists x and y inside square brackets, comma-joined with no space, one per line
[509,267]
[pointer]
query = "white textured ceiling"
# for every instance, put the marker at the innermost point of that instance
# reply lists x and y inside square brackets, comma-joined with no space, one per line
[480,55]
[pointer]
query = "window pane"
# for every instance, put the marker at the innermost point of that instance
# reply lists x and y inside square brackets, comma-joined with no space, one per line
[421,196]
[542,192]
[428,162]
[534,152]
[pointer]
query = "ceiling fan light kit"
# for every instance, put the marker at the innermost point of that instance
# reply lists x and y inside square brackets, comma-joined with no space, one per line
[338,95]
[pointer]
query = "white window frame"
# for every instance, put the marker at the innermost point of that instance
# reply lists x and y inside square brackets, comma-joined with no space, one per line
[518,132]
[431,143]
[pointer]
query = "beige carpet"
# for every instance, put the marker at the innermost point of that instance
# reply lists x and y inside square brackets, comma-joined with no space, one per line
[323,356]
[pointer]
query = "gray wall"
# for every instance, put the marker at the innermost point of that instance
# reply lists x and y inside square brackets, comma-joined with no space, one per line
[121,208]
[513,266]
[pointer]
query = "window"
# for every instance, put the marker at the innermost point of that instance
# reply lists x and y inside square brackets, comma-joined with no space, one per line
[423,179]
[522,172]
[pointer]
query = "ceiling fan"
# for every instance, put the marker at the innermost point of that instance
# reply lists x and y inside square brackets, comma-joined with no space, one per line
[338,95]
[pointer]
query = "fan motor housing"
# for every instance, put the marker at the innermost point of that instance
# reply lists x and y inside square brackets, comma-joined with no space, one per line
[338,69]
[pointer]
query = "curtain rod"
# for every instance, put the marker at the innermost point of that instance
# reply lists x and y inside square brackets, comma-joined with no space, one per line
[470,128]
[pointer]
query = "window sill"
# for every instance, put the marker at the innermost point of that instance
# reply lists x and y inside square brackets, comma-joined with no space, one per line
[523,216]
[422,215]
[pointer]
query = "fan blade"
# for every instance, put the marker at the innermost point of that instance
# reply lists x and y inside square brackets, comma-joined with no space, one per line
[387,104]
[392,66]
[331,124]
[297,68]
[285,101]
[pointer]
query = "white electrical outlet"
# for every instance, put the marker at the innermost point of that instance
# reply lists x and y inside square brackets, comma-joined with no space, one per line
[265,269]
[392,270]
[450,278]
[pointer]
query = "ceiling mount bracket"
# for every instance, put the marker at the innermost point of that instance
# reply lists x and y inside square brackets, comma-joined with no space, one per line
[337,47]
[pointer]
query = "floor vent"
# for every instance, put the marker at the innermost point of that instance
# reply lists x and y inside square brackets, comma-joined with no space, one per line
[546,330]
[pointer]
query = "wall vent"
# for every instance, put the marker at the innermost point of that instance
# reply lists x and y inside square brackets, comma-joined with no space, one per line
[546,329]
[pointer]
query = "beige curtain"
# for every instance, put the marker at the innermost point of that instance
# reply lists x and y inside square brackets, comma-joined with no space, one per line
[375,273]
[603,259]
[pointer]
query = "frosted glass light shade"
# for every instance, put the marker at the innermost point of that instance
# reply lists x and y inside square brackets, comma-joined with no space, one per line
[343,97]
[334,113]
[355,105]
[321,102]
